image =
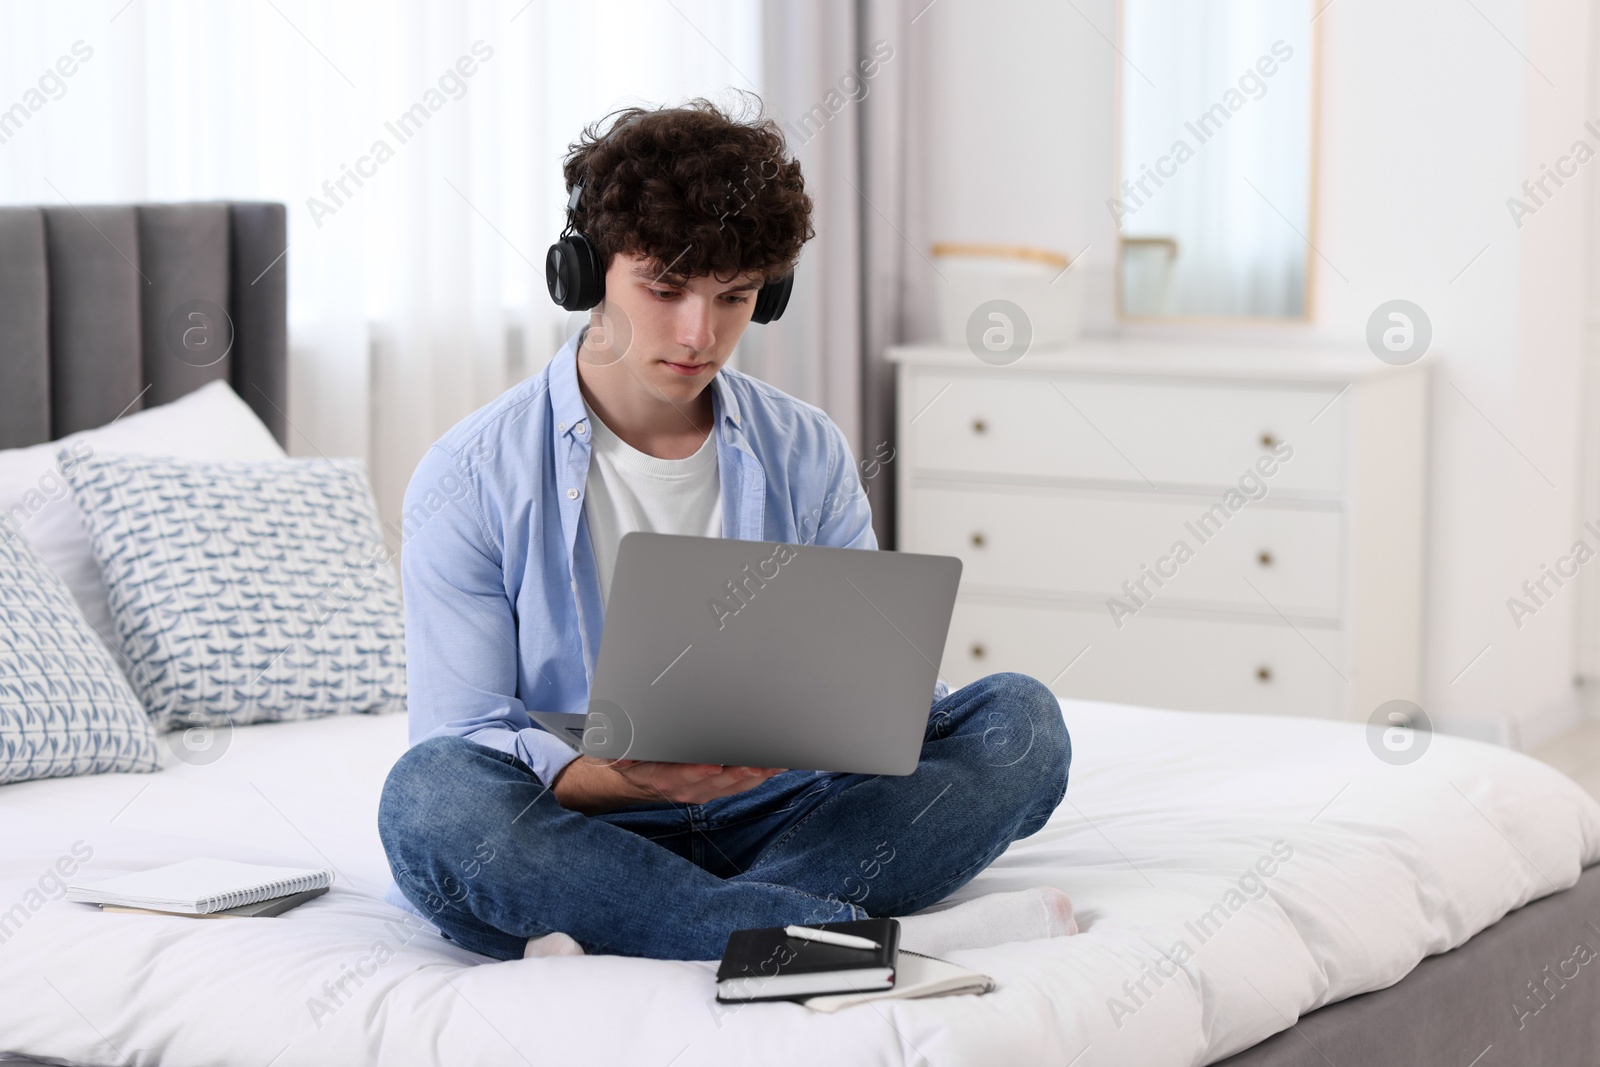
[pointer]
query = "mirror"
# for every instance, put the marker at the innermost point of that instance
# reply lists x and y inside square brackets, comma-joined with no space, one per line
[1213,200]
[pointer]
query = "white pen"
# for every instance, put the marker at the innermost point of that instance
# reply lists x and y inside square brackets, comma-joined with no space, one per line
[828,937]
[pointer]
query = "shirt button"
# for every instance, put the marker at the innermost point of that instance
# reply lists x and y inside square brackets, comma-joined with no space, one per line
[581,427]
[572,494]
[561,426]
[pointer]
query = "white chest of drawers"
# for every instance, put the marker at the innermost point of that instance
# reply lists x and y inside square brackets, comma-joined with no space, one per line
[1176,526]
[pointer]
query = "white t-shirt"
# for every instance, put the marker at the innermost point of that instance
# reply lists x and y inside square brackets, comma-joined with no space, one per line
[628,490]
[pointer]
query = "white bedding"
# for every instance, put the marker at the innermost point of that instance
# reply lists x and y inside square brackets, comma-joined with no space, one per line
[1165,811]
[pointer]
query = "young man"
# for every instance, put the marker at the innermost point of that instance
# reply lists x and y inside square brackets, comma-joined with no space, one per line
[494,831]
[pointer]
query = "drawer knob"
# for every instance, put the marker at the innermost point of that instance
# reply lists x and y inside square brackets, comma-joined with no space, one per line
[1268,441]
[1263,675]
[977,539]
[978,651]
[979,426]
[1264,558]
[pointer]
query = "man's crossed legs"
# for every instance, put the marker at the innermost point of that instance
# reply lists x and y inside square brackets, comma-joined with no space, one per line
[480,846]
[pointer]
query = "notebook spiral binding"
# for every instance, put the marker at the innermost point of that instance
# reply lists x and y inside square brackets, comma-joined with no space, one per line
[265,891]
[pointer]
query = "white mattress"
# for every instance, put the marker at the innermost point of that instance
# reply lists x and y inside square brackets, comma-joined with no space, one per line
[1164,812]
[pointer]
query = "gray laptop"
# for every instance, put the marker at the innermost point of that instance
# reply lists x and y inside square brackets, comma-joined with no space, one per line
[766,655]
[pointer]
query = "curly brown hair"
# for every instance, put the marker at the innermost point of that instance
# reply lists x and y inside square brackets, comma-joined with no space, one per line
[693,189]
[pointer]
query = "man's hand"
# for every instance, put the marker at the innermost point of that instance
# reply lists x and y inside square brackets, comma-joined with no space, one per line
[594,786]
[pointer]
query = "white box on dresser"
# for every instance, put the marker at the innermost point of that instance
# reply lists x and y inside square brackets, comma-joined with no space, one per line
[1177,525]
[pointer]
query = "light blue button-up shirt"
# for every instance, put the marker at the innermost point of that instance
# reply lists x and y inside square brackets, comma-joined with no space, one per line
[502,596]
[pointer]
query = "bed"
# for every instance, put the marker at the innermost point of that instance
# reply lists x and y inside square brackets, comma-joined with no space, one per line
[1256,892]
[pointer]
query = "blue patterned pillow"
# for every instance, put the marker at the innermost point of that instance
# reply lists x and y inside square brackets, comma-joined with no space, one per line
[64,706]
[246,592]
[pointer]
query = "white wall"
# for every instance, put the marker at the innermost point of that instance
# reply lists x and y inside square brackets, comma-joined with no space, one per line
[1430,119]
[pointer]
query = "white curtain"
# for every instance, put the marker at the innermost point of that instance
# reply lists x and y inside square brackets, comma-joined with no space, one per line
[416,295]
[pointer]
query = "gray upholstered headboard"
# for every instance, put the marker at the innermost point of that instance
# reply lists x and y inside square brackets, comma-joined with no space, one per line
[99,304]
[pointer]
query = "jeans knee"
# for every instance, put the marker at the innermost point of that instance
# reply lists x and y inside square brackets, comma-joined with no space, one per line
[1023,729]
[1055,744]
[415,805]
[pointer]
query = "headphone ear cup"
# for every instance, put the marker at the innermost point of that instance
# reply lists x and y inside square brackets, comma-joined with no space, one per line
[573,274]
[772,299]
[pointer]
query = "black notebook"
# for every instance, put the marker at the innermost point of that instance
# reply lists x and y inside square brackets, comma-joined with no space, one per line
[768,964]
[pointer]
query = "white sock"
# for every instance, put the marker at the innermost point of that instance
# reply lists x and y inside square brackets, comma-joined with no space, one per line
[556,944]
[1025,915]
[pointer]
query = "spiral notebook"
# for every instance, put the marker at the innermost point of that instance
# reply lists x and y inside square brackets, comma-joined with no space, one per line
[200,886]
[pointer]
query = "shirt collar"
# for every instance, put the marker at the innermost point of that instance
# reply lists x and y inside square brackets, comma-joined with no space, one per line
[566,399]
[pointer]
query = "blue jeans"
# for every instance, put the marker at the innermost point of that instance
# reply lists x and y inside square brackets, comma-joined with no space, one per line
[483,849]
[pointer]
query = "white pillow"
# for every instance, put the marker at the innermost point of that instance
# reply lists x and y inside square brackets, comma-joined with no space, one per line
[211,423]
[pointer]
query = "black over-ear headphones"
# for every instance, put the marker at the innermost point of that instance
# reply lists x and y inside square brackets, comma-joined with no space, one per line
[576,276]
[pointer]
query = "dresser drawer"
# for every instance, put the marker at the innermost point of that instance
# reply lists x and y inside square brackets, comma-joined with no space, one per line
[1125,430]
[1089,544]
[1189,664]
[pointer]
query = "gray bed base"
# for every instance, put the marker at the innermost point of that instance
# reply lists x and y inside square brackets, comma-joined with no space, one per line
[1471,1007]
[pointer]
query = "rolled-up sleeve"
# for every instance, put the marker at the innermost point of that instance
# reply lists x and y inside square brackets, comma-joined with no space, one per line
[461,629]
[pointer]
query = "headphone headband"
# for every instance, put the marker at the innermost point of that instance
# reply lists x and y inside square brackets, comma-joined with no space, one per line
[575,272]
